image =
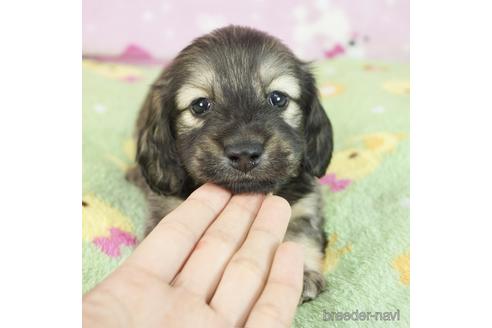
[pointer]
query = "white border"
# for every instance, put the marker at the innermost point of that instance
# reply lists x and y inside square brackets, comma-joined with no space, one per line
[451,125]
[40,156]
[40,170]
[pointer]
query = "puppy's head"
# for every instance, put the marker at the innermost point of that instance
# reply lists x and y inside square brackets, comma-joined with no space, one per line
[236,108]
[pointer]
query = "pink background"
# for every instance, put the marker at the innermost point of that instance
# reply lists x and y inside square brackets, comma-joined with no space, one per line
[377,29]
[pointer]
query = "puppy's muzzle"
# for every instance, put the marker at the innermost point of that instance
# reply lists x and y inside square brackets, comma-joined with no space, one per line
[244,156]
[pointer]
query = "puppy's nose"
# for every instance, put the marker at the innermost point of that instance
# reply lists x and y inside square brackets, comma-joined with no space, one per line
[244,156]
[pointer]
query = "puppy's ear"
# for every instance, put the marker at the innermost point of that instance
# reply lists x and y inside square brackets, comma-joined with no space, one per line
[319,137]
[156,147]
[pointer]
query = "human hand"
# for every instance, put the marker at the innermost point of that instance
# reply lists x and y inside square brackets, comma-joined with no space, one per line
[215,261]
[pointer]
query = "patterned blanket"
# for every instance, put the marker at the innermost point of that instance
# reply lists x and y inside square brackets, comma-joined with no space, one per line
[366,186]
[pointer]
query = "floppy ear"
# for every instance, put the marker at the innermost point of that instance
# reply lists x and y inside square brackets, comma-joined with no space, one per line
[156,147]
[319,138]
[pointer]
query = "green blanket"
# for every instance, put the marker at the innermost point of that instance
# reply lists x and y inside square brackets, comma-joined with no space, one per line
[366,186]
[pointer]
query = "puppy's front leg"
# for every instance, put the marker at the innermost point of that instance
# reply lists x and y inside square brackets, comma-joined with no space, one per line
[306,228]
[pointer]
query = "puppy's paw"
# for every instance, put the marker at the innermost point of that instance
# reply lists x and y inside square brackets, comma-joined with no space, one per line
[314,283]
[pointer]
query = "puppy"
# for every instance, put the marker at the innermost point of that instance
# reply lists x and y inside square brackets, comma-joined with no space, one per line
[239,109]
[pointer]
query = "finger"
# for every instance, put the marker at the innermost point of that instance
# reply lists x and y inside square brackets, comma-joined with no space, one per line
[278,302]
[246,273]
[166,248]
[205,266]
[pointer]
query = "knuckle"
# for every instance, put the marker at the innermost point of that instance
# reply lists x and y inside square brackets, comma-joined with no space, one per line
[180,229]
[248,264]
[220,237]
[265,233]
[290,289]
[197,202]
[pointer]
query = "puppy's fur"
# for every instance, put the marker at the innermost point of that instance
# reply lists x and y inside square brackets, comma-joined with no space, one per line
[237,69]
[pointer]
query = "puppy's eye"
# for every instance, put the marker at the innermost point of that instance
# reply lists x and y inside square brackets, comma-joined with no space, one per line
[201,105]
[278,99]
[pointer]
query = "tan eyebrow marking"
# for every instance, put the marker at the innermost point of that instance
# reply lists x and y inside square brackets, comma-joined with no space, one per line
[199,84]
[187,93]
[286,84]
